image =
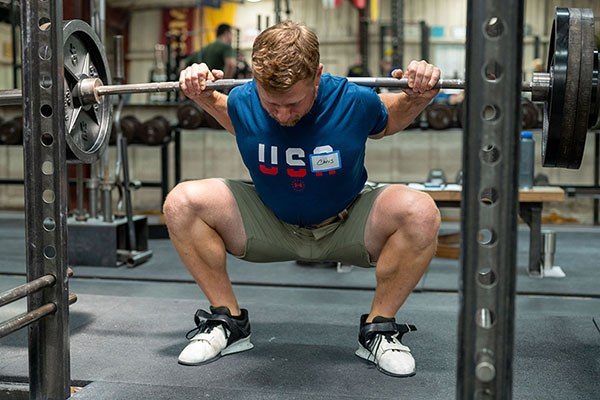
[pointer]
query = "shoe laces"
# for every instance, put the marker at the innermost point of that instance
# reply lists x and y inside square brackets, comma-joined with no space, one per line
[204,325]
[391,337]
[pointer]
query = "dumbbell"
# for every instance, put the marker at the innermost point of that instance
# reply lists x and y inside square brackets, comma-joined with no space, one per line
[155,131]
[190,116]
[439,116]
[11,132]
[530,114]
[130,126]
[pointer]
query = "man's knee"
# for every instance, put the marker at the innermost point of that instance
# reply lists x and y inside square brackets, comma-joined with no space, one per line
[190,200]
[416,215]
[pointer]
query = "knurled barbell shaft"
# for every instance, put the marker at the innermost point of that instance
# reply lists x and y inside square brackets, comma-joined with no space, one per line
[92,88]
[231,83]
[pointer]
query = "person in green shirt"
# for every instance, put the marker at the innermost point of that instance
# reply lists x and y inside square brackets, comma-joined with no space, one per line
[218,54]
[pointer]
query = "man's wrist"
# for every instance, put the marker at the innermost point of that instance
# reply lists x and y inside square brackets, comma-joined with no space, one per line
[207,100]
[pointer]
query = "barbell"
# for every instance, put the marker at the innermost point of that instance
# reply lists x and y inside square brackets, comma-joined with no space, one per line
[569,89]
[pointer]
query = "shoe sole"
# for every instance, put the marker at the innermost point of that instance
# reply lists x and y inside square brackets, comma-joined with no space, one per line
[366,355]
[237,347]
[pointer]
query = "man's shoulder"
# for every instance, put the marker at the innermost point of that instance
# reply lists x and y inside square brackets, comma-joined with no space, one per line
[243,92]
[340,85]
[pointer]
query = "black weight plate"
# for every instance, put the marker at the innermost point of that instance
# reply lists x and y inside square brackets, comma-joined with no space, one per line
[555,123]
[594,122]
[87,127]
[584,94]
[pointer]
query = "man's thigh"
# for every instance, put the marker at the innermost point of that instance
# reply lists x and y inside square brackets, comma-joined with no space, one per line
[347,243]
[268,239]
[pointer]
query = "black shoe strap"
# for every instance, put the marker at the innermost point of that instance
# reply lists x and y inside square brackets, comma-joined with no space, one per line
[238,328]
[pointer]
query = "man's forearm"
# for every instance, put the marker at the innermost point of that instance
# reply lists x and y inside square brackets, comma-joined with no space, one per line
[216,105]
[402,110]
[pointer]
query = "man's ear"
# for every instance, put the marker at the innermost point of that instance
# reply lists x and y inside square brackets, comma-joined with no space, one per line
[318,74]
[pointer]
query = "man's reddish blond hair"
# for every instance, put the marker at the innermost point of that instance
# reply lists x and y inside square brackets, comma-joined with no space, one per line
[283,55]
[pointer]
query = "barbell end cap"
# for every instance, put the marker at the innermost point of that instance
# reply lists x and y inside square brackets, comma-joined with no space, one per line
[87,91]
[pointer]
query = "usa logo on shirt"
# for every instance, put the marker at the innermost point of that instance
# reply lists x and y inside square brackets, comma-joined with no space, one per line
[322,160]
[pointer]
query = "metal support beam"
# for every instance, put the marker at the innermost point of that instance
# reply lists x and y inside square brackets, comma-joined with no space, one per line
[489,212]
[596,174]
[425,40]
[46,199]
[363,36]
[397,12]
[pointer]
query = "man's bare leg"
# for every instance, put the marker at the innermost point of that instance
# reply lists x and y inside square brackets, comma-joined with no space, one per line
[204,221]
[401,235]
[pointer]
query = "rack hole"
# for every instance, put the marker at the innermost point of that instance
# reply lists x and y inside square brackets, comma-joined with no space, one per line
[490,154]
[47,139]
[486,237]
[48,196]
[488,196]
[490,113]
[49,224]
[46,110]
[44,23]
[486,277]
[45,52]
[49,252]
[485,318]
[494,27]
[492,71]
[47,168]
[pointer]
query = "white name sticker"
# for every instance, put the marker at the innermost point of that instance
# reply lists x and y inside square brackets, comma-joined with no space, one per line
[325,162]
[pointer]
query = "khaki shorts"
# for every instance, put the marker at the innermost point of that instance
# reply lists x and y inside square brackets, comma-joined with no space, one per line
[269,239]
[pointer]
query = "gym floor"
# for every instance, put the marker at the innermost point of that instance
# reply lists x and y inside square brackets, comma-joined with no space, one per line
[129,325]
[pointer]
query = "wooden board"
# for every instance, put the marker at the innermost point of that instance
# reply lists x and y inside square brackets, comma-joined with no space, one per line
[534,195]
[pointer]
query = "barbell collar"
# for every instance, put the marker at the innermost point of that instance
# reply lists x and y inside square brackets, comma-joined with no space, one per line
[541,83]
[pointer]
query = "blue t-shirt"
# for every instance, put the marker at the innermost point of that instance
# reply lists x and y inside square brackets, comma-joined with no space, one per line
[313,170]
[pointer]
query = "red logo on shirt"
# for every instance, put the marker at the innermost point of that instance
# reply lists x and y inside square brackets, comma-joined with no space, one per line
[297,185]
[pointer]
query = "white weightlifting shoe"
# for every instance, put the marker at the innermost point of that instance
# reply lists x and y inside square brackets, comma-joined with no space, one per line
[380,343]
[216,335]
